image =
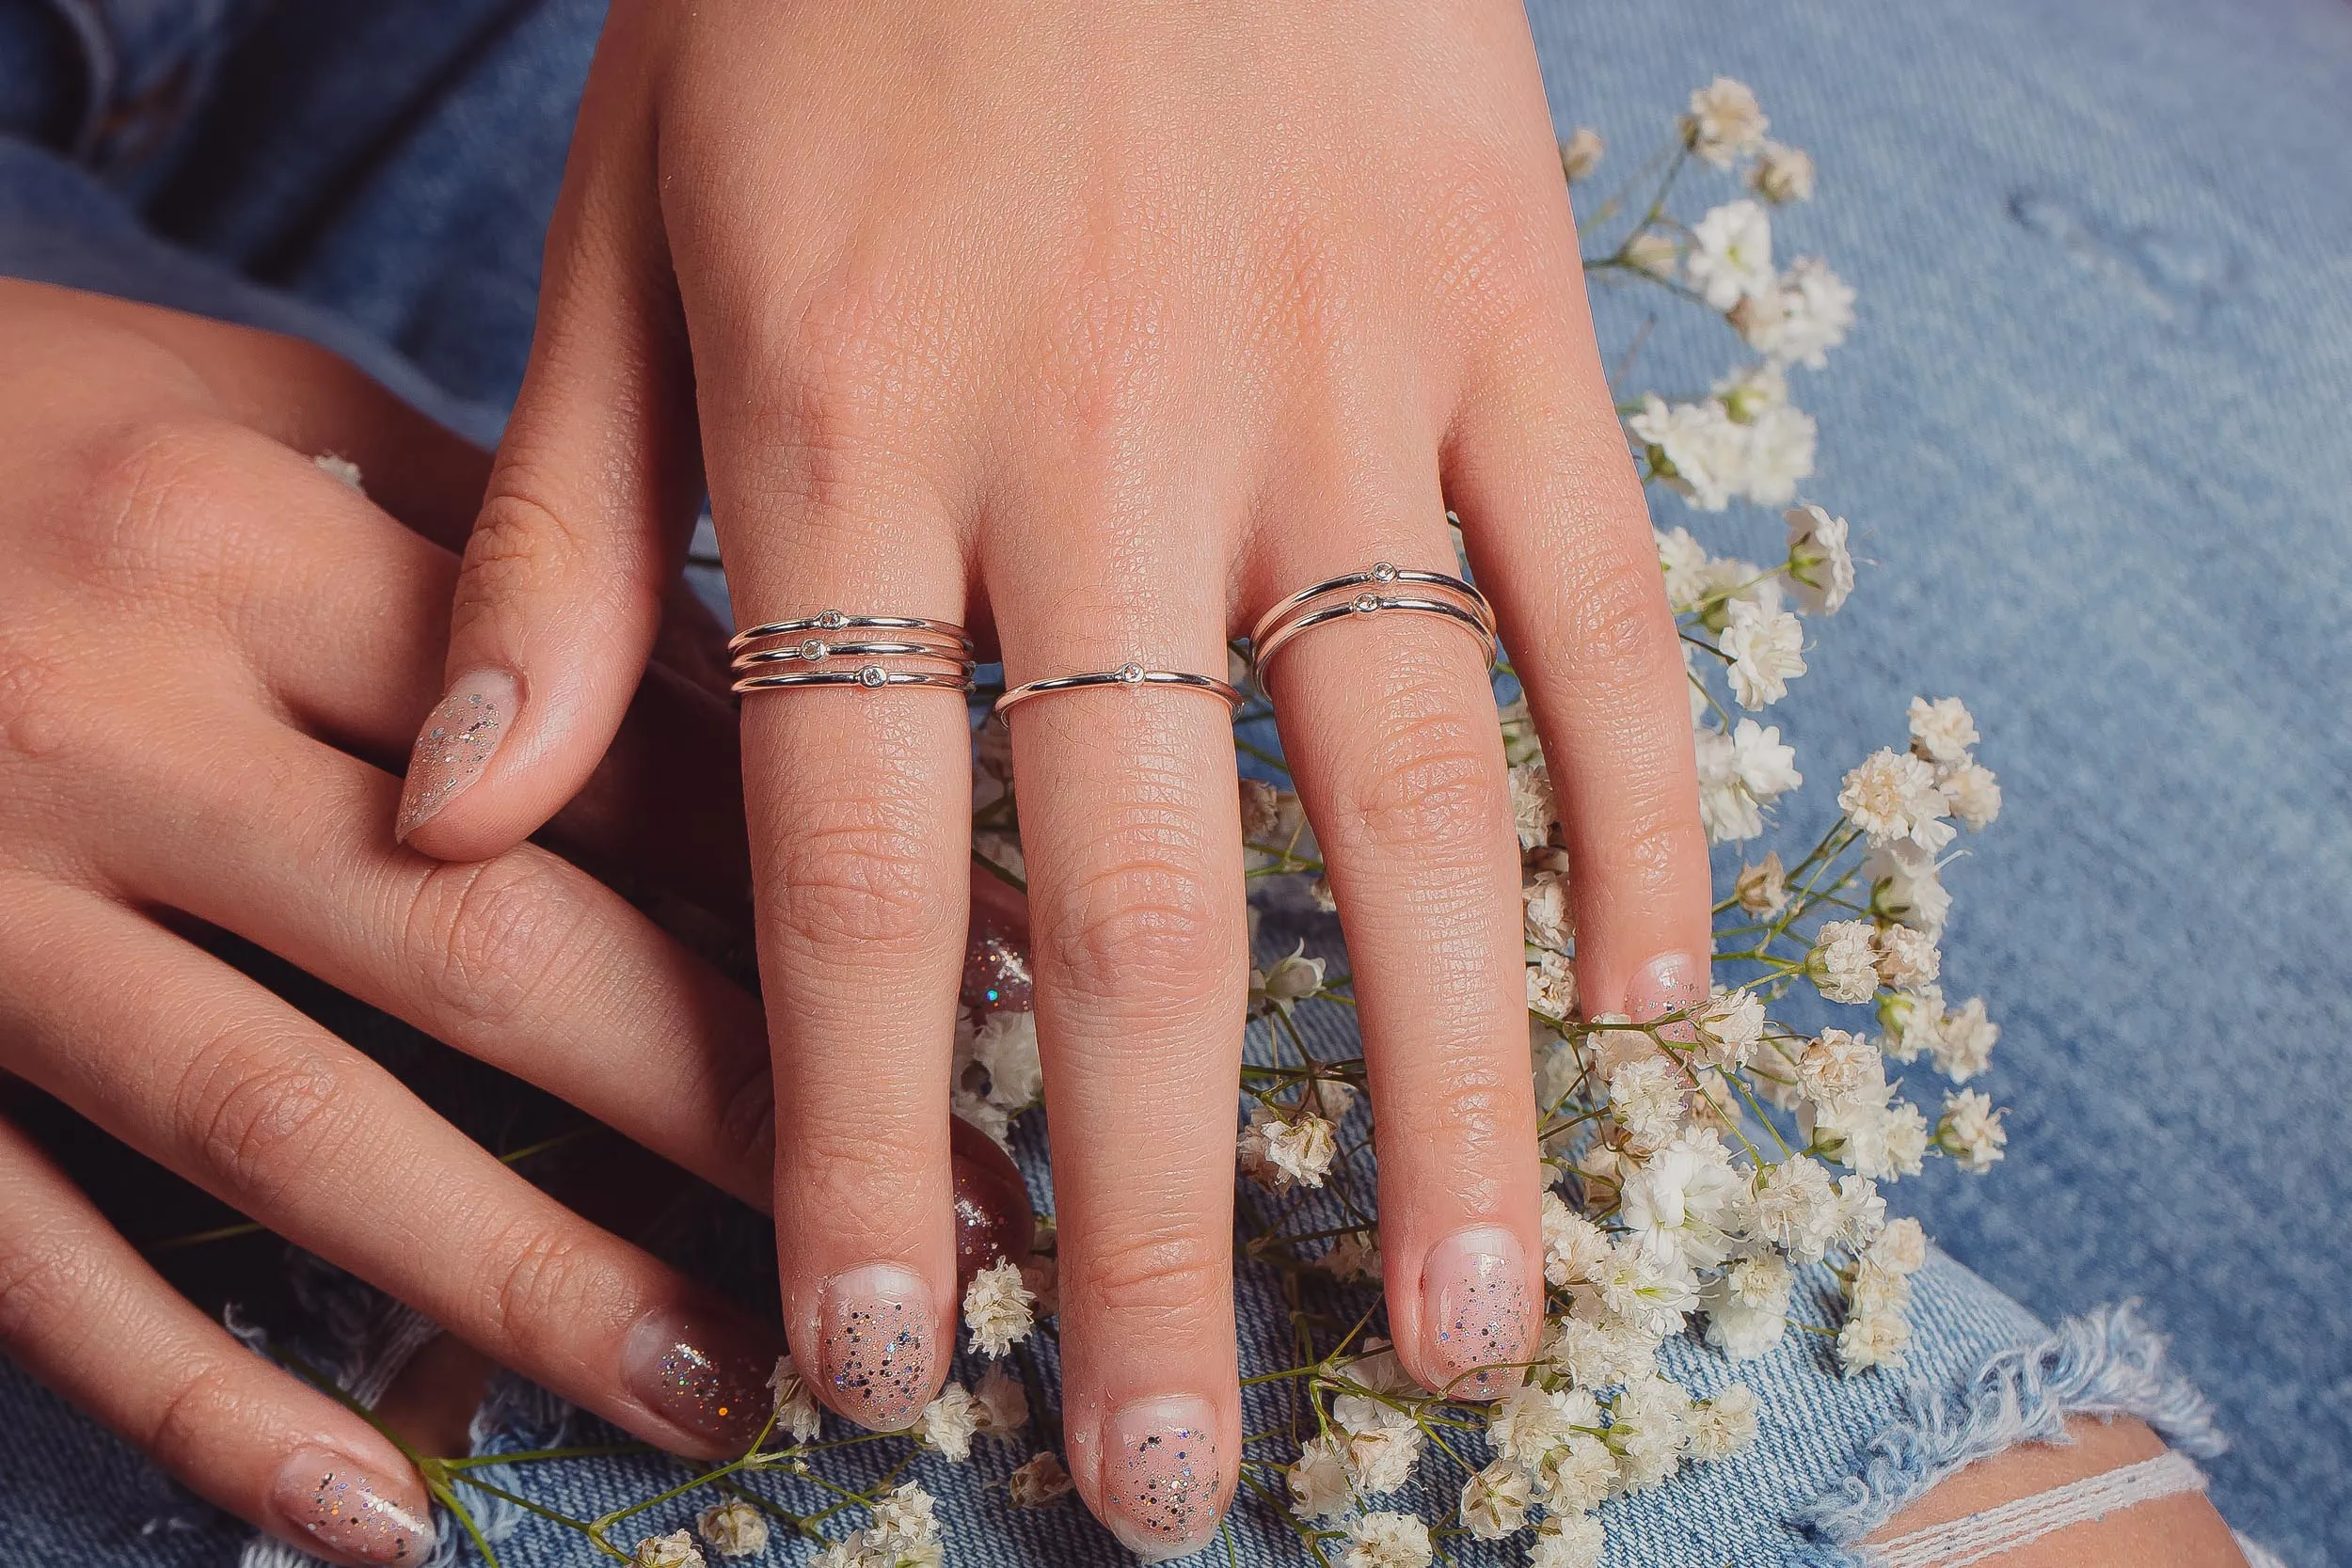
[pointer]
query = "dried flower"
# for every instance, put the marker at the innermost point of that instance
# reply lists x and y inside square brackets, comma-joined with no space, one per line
[949,1422]
[1731,255]
[1385,1539]
[997,1308]
[1781,174]
[733,1528]
[1040,1480]
[1725,123]
[674,1550]
[796,1406]
[1580,153]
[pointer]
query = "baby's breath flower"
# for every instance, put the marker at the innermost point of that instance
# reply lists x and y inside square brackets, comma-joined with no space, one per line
[1747,1306]
[796,1406]
[1550,920]
[997,1308]
[1902,1247]
[1573,1247]
[1650,1429]
[674,1550]
[1386,1540]
[1801,318]
[1963,1041]
[1729,1028]
[1762,886]
[903,1517]
[1907,958]
[1286,982]
[1819,569]
[1782,174]
[1723,1425]
[1355,1255]
[1495,1501]
[1534,810]
[1040,1480]
[1580,153]
[1905,886]
[1003,1404]
[1261,812]
[1654,252]
[1551,986]
[1579,1472]
[1279,1155]
[1796,1208]
[949,1422]
[1725,123]
[1647,1098]
[1731,254]
[1876,1339]
[1042,1277]
[1767,650]
[340,468]
[1844,962]
[1568,1540]
[1318,1480]
[734,1529]
[1973,792]
[1382,1443]
[1692,447]
[1005,1043]
[1971,1131]
[1942,731]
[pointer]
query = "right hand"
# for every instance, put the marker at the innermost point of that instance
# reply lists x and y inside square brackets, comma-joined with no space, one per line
[208,647]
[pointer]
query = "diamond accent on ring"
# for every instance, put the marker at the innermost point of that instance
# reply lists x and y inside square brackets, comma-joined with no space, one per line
[833,620]
[1367,603]
[1384,573]
[1130,673]
[871,675]
[814,649]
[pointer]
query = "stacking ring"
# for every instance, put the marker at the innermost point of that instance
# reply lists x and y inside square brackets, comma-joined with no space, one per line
[1134,676]
[833,620]
[1369,593]
[920,652]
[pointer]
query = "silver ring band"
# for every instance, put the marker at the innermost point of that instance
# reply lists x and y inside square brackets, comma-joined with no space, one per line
[871,677]
[833,620]
[1134,676]
[815,650]
[1381,576]
[1372,604]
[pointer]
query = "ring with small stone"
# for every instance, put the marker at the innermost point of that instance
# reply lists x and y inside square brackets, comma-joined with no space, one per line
[1371,592]
[1133,676]
[871,652]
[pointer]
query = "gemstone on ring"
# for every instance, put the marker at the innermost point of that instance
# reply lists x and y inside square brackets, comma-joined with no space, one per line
[1383,572]
[1130,673]
[814,649]
[871,675]
[1367,603]
[833,620]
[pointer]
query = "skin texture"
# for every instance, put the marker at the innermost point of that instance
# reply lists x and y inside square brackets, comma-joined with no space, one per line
[208,646]
[1100,328]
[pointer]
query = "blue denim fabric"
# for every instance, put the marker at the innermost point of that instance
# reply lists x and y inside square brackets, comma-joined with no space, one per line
[2089,428]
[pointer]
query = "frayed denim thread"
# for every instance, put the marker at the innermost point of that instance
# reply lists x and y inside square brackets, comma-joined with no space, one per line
[2106,1363]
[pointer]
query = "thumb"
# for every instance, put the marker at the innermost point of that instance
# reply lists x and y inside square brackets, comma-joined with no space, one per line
[590,500]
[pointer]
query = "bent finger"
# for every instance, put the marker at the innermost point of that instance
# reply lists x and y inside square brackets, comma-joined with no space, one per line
[83,1313]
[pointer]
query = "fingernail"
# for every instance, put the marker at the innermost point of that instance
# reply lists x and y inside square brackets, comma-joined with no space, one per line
[1667,984]
[1475,1307]
[352,1512]
[1161,1477]
[995,966]
[702,1374]
[457,741]
[878,1344]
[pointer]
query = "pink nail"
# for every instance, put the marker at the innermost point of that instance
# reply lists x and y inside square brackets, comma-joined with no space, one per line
[1161,1479]
[879,1349]
[1475,1310]
[351,1512]
[1667,984]
[455,745]
[704,1374]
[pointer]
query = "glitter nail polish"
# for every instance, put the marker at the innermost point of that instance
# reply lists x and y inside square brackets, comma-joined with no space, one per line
[458,738]
[351,1512]
[704,1375]
[996,975]
[878,1348]
[1474,1313]
[1162,1484]
[1668,984]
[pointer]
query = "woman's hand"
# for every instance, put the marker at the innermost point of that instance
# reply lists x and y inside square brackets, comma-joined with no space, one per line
[207,647]
[1101,327]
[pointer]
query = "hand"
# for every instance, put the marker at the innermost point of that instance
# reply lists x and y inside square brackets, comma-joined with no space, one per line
[207,646]
[1101,327]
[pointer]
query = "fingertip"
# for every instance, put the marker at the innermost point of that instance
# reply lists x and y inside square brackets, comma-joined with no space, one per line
[370,1510]
[454,748]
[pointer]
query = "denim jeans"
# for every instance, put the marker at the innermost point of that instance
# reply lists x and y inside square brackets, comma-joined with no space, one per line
[2089,428]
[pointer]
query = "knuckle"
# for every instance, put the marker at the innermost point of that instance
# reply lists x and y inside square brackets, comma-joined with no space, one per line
[746,1118]
[1168,1265]
[863,875]
[538,1280]
[260,1110]
[522,544]
[1429,782]
[184,1429]
[44,1278]
[1147,924]
[492,935]
[157,503]
[1656,849]
[1614,622]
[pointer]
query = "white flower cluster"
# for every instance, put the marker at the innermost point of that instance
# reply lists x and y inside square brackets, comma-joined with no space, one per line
[905,1533]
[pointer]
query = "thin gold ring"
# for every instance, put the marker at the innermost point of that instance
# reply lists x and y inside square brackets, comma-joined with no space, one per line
[1368,603]
[817,650]
[1131,675]
[871,678]
[834,619]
